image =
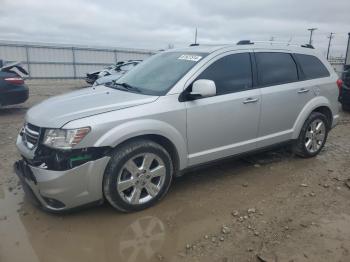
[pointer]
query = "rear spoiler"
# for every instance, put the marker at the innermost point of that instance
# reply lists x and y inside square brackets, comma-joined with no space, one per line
[16,65]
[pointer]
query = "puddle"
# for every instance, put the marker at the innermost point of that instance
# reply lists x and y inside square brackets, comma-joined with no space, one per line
[102,234]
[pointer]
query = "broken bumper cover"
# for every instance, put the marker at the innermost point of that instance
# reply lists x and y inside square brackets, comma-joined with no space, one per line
[63,190]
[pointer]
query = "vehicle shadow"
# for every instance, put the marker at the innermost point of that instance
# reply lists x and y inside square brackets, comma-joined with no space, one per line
[233,165]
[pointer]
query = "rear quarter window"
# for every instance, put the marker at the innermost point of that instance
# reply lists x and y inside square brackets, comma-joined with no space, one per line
[311,66]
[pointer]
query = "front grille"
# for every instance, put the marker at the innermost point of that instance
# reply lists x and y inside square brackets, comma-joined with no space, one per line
[31,135]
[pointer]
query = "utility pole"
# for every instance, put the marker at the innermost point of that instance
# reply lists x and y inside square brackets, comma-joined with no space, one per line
[195,37]
[329,43]
[311,32]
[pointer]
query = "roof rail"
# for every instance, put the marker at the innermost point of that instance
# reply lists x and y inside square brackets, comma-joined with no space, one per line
[245,42]
[249,42]
[308,46]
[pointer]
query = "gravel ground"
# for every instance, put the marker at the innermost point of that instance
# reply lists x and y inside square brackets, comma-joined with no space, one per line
[267,207]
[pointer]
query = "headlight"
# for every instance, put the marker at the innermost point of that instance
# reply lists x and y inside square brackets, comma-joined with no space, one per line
[64,138]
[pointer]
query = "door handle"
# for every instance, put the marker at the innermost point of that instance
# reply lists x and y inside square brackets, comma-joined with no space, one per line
[303,90]
[250,100]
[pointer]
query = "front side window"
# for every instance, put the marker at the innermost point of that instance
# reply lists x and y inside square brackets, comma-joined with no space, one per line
[159,73]
[312,66]
[232,73]
[275,68]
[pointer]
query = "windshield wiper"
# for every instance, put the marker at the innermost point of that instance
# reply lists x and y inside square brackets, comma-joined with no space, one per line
[126,86]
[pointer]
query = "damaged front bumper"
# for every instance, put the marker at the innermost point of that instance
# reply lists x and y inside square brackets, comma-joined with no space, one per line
[56,186]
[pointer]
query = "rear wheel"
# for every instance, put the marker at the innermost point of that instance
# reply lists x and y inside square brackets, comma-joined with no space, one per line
[138,175]
[313,136]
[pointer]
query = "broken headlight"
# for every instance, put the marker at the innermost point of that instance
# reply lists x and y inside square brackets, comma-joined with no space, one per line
[64,138]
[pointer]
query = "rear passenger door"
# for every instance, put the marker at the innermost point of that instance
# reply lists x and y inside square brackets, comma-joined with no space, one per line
[283,95]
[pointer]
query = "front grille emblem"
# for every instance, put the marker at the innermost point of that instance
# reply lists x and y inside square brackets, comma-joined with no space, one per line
[30,135]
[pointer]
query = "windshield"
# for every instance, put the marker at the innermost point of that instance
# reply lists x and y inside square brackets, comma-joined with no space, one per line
[159,73]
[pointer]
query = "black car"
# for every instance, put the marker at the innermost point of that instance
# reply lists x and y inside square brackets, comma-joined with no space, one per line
[344,91]
[12,87]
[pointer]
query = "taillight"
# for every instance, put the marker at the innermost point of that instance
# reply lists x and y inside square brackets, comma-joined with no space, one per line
[15,80]
[340,85]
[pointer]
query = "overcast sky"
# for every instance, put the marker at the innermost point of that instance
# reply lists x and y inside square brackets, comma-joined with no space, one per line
[156,23]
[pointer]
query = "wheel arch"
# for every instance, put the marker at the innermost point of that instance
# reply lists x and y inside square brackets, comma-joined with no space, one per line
[154,130]
[161,140]
[318,104]
[327,112]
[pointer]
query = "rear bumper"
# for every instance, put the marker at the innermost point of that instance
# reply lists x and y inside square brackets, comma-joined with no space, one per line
[16,96]
[57,191]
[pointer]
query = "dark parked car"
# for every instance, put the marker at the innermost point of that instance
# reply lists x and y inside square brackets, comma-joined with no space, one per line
[12,87]
[344,91]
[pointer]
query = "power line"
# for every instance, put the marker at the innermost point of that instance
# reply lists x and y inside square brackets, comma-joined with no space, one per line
[331,35]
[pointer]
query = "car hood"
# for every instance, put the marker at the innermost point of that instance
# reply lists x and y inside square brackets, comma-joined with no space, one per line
[57,111]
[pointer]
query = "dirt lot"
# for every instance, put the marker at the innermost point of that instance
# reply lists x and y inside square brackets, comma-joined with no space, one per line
[268,207]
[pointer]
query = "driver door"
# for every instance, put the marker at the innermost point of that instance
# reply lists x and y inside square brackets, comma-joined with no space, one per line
[225,124]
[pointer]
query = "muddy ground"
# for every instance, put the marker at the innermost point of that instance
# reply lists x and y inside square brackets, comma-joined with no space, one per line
[268,207]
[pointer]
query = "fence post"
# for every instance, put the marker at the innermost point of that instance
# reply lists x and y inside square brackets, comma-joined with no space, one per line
[28,61]
[115,56]
[74,64]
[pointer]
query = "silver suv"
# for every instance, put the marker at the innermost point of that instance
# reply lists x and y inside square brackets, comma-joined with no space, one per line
[178,109]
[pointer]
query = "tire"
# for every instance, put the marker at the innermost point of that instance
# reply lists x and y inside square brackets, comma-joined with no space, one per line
[308,134]
[132,180]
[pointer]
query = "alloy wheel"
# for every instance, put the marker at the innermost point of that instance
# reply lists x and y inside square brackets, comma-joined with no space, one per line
[315,135]
[141,178]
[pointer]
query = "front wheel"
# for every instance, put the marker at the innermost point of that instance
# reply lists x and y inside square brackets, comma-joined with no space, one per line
[138,175]
[313,136]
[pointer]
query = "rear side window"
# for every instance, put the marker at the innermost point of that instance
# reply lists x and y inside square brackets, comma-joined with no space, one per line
[276,68]
[312,66]
[232,73]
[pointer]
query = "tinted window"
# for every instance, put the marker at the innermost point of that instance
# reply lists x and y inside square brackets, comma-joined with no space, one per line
[312,67]
[276,68]
[231,73]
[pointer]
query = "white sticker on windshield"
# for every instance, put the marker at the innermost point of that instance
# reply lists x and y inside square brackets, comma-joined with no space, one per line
[194,58]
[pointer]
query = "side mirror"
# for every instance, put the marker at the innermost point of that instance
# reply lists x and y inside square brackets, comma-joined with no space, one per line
[202,88]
